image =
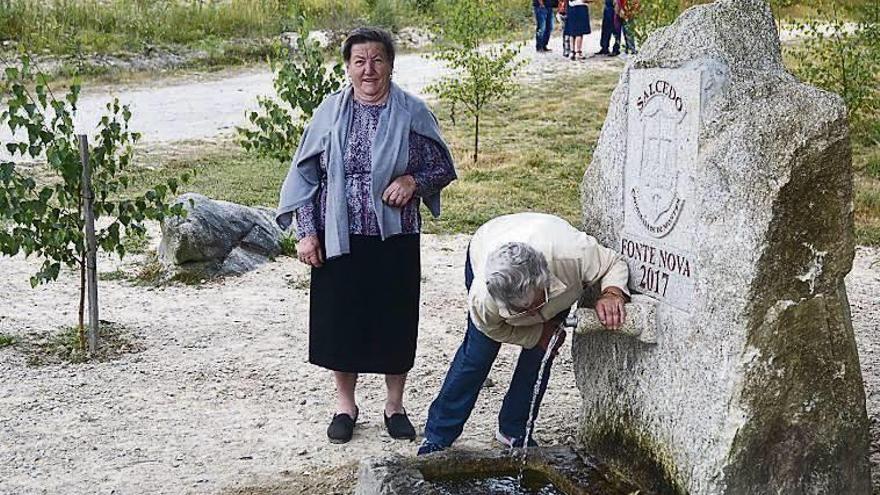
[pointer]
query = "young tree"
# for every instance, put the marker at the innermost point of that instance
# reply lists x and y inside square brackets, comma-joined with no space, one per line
[481,75]
[302,81]
[44,217]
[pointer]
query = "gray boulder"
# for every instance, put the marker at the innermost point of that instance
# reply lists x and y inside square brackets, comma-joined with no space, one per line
[218,238]
[727,185]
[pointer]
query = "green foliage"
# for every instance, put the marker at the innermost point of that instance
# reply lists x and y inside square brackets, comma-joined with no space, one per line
[6,340]
[302,81]
[383,14]
[68,27]
[288,244]
[844,57]
[135,242]
[45,218]
[481,76]
[653,15]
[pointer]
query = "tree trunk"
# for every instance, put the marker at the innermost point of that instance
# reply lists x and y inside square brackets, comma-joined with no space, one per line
[81,330]
[476,136]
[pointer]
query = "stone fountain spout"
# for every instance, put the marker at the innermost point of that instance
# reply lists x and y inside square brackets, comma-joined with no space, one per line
[640,322]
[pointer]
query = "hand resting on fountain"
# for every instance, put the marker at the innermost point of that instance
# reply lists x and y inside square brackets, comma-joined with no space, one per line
[610,308]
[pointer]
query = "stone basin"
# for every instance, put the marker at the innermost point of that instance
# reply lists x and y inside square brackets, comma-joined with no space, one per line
[560,470]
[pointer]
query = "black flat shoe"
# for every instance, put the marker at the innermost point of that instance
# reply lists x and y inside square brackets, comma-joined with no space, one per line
[342,427]
[399,427]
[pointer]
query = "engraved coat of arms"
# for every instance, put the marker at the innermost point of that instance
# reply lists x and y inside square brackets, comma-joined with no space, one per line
[655,194]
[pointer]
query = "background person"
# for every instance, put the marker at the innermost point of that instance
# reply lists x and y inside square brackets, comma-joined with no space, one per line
[609,27]
[370,154]
[543,23]
[577,24]
[523,272]
[625,11]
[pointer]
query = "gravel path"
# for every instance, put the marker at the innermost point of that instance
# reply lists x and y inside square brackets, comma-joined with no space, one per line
[863,289]
[222,400]
[221,396]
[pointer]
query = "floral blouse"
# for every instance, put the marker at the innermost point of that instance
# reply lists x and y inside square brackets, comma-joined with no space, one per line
[428,165]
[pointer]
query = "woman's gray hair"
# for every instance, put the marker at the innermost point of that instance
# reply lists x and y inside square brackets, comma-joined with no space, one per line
[367,35]
[514,272]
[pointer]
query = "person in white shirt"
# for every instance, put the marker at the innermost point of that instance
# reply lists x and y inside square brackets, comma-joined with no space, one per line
[523,272]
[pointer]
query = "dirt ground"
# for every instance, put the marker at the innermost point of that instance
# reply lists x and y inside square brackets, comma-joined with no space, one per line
[220,398]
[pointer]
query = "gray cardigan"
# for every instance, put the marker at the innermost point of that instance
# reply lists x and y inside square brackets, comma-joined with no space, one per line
[327,133]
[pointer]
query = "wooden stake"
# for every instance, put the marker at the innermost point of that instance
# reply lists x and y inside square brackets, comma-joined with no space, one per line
[91,247]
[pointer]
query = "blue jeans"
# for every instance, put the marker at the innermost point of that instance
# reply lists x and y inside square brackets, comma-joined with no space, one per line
[609,28]
[543,26]
[469,369]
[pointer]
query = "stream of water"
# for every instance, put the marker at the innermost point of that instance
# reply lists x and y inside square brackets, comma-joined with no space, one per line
[530,424]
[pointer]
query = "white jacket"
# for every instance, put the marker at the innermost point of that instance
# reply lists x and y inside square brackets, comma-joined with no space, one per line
[575,260]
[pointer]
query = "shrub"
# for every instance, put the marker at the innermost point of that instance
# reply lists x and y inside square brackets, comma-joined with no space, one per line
[844,57]
[302,81]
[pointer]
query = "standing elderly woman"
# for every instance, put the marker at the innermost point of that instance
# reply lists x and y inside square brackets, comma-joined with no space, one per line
[370,155]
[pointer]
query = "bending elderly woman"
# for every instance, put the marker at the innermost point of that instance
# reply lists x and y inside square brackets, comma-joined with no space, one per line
[370,154]
[523,272]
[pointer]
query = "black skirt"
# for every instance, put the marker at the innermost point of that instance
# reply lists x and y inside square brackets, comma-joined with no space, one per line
[364,307]
[577,22]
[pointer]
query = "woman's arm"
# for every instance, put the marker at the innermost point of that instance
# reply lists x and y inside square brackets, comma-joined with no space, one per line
[429,165]
[306,221]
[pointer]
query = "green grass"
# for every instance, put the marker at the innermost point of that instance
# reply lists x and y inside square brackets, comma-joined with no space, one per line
[802,9]
[117,274]
[534,150]
[63,345]
[223,172]
[867,210]
[6,340]
[108,26]
[72,27]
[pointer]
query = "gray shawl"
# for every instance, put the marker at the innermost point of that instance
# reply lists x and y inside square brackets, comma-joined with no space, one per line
[328,133]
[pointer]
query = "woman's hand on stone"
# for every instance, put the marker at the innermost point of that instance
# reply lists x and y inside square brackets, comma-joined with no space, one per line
[400,191]
[309,251]
[610,310]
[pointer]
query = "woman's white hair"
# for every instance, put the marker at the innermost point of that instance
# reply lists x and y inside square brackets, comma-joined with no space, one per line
[514,273]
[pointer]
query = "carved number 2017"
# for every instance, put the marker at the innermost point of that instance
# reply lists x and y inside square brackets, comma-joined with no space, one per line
[654,280]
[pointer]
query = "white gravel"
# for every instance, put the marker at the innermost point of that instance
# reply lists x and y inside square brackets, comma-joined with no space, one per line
[222,396]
